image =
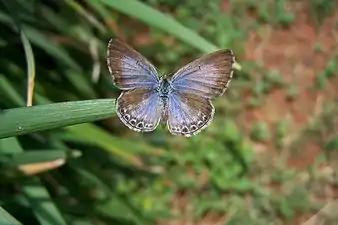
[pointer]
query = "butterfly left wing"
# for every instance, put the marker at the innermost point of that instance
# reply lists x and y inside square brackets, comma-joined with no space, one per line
[138,106]
[129,69]
[140,109]
[188,113]
[208,76]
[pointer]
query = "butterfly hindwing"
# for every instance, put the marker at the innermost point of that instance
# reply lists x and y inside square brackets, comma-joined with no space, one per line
[140,109]
[188,113]
[129,69]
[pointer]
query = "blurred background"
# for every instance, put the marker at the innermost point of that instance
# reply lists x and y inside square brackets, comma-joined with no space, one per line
[269,156]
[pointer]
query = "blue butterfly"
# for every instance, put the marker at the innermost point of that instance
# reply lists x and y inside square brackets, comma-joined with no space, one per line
[181,101]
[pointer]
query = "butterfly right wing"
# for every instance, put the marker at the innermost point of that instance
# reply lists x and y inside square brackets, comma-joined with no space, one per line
[140,109]
[208,76]
[129,69]
[190,109]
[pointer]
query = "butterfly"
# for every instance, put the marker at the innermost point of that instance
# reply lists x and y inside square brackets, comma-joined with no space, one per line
[182,101]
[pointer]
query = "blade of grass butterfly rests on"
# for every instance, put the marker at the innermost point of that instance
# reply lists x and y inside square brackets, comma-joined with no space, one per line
[25,120]
[182,101]
[65,114]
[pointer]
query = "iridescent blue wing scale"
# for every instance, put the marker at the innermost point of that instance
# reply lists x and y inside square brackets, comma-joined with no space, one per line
[139,106]
[190,109]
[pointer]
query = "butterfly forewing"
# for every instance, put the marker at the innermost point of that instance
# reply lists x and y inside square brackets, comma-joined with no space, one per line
[129,69]
[188,113]
[140,109]
[208,76]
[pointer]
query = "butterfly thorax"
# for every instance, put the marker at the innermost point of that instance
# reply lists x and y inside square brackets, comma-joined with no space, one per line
[164,88]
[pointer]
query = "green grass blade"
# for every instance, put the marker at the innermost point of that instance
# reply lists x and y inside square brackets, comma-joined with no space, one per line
[8,91]
[99,7]
[157,19]
[86,14]
[30,68]
[105,140]
[50,47]
[7,219]
[34,156]
[81,84]
[42,204]
[8,146]
[168,24]
[24,120]
[37,195]
[7,20]
[97,136]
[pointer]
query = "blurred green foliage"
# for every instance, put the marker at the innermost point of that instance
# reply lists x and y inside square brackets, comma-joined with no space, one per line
[116,176]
